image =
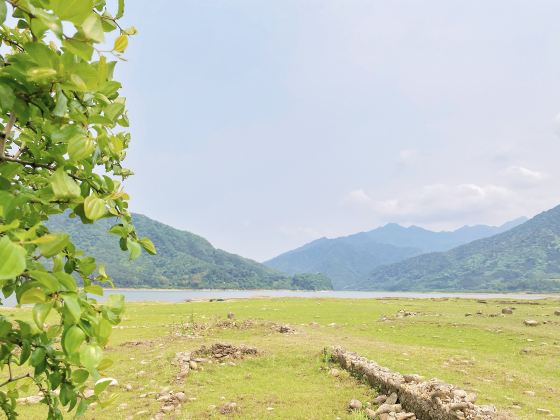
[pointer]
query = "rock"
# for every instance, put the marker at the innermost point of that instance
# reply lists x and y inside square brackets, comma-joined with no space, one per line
[468,314]
[530,393]
[405,416]
[231,315]
[543,411]
[122,406]
[180,396]
[507,311]
[370,414]
[355,405]
[286,329]
[128,387]
[334,372]
[557,313]
[471,398]
[228,408]
[392,399]
[412,378]
[380,399]
[141,413]
[387,408]
[168,408]
[531,322]
[459,393]
[163,397]
[193,365]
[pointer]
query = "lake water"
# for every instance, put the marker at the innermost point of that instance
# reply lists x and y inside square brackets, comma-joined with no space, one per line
[159,295]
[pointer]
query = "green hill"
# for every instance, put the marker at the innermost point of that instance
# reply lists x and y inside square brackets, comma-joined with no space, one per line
[526,257]
[350,259]
[184,260]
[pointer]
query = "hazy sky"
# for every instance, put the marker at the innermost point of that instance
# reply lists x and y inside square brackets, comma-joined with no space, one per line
[262,125]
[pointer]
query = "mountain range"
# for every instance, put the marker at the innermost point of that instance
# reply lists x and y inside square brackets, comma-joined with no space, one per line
[526,257]
[348,261]
[184,260]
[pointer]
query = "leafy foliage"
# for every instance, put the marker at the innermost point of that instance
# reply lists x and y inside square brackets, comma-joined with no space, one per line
[349,260]
[184,260]
[524,258]
[63,138]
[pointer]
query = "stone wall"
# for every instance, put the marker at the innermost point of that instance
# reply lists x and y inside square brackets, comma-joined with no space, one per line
[431,399]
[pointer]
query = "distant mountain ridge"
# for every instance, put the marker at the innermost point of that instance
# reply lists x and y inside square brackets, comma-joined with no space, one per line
[526,257]
[184,260]
[350,259]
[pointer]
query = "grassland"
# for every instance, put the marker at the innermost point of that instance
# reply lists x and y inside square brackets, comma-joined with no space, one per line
[496,356]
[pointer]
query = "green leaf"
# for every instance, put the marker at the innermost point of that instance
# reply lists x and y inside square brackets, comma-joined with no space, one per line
[81,48]
[121,42]
[72,308]
[63,186]
[94,289]
[104,364]
[40,312]
[32,295]
[10,226]
[66,280]
[101,385]
[52,243]
[79,376]
[41,73]
[7,97]
[12,259]
[113,110]
[148,245]
[92,28]
[104,330]
[80,147]
[38,356]
[90,356]
[120,10]
[94,207]
[73,339]
[134,248]
[75,11]
[4,10]
[82,408]
[61,106]
[46,279]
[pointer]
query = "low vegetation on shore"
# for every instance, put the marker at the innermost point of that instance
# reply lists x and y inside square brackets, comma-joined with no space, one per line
[263,358]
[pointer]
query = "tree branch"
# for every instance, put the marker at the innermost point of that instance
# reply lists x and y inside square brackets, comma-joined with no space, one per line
[4,136]
[17,378]
[27,163]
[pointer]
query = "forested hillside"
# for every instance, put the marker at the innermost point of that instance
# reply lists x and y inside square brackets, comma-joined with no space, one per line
[349,260]
[184,260]
[526,257]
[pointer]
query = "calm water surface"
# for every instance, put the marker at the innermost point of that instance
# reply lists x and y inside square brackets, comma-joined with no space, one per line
[159,295]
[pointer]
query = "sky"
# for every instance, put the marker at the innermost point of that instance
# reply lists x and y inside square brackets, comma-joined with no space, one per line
[262,125]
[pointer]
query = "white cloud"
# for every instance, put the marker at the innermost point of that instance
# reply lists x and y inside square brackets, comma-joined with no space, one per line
[407,156]
[519,176]
[439,205]
[358,196]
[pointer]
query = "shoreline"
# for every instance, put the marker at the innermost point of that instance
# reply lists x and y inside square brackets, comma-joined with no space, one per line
[435,292]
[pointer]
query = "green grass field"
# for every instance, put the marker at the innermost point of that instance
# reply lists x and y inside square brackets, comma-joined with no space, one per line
[498,357]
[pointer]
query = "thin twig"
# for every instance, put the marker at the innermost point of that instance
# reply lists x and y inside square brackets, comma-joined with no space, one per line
[4,136]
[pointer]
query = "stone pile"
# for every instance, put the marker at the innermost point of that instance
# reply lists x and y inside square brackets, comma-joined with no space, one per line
[170,403]
[410,396]
[284,329]
[220,351]
[187,361]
